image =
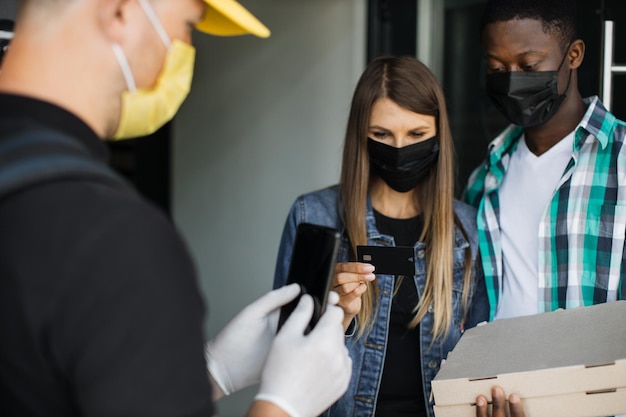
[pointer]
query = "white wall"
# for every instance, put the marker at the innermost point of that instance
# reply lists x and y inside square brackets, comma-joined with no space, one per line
[264,123]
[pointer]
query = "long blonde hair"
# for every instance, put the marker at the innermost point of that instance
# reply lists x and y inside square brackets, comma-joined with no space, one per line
[411,85]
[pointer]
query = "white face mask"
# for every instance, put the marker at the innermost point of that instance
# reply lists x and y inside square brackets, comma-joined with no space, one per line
[146,110]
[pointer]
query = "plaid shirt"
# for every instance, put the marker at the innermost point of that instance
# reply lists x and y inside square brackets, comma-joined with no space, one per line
[582,232]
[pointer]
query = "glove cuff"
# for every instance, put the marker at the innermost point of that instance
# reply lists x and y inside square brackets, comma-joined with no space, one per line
[220,378]
[279,402]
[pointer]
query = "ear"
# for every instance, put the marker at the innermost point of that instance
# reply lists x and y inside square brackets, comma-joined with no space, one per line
[114,17]
[576,54]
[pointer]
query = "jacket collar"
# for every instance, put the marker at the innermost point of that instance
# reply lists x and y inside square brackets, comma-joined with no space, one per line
[385,240]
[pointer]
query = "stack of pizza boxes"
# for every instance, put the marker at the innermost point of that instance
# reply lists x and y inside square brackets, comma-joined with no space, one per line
[566,363]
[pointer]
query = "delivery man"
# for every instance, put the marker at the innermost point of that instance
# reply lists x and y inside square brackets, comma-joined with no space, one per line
[100,313]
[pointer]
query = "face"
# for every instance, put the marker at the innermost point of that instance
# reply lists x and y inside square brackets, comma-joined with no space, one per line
[178,18]
[398,127]
[522,45]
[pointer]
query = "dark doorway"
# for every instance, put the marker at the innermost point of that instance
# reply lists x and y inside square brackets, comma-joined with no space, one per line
[391,28]
[474,120]
[145,162]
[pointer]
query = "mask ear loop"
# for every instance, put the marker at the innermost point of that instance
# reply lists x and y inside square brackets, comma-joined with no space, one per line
[128,74]
[564,56]
[569,78]
[156,23]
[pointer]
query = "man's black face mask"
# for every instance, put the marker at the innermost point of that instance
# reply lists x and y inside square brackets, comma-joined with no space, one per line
[527,98]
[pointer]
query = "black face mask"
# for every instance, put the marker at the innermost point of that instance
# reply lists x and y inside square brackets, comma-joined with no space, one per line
[403,168]
[526,98]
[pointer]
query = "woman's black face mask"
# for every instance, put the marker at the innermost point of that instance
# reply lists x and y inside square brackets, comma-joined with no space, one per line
[403,168]
[527,98]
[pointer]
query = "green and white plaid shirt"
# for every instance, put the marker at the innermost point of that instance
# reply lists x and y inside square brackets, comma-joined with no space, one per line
[582,232]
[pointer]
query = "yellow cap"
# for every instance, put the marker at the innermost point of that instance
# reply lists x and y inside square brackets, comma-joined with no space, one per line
[229,18]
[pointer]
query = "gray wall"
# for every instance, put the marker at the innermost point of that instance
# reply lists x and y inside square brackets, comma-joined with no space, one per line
[8,9]
[264,123]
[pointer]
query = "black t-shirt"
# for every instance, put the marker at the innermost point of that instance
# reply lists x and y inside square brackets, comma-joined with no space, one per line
[401,392]
[100,313]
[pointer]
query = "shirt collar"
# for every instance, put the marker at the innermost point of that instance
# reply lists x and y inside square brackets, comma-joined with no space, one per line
[597,121]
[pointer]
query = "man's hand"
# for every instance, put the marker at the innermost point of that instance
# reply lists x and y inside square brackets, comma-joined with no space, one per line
[306,374]
[499,405]
[235,357]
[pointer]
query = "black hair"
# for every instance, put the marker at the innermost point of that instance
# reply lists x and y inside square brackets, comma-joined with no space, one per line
[558,17]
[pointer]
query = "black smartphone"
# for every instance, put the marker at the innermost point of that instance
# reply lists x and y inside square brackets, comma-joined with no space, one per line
[388,260]
[312,266]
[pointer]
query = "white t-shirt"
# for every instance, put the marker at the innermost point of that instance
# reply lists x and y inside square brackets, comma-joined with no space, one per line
[525,192]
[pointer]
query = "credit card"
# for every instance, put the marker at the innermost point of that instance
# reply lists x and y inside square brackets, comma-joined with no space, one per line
[388,260]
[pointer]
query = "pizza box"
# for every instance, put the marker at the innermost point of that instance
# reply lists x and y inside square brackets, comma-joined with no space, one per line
[567,362]
[579,404]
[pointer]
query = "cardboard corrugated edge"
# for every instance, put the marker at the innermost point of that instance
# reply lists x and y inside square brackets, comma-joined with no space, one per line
[538,383]
[580,404]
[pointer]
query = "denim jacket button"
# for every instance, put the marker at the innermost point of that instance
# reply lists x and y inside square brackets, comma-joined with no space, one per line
[432,364]
[431,308]
[421,253]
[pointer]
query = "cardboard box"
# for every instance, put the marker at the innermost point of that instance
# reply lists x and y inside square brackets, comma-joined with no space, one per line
[564,363]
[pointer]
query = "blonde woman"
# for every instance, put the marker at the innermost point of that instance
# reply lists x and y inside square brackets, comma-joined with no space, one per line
[397,189]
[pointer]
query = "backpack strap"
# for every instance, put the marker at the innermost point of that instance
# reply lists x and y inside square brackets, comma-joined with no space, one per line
[34,157]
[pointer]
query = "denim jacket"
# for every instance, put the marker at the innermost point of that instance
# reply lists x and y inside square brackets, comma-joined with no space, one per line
[368,351]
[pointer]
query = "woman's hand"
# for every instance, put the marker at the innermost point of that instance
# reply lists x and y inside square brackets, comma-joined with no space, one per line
[349,282]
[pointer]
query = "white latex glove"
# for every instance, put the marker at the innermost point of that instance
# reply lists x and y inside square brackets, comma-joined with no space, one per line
[304,375]
[235,357]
